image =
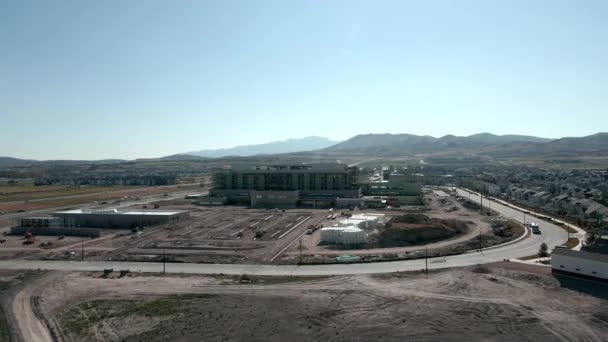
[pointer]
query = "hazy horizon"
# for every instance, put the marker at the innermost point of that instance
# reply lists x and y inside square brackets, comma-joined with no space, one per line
[130,80]
[266,142]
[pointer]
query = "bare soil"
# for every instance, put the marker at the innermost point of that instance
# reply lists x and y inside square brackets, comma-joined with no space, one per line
[439,208]
[496,303]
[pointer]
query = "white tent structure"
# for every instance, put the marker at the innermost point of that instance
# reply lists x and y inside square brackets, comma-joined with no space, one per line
[363,221]
[343,235]
[360,223]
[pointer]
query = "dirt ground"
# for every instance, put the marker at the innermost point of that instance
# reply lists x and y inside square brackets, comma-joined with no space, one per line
[225,234]
[478,304]
[440,206]
[241,235]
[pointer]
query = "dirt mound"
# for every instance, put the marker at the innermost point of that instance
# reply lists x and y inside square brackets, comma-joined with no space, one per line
[416,229]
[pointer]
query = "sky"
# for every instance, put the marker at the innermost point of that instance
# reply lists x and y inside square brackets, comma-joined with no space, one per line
[137,79]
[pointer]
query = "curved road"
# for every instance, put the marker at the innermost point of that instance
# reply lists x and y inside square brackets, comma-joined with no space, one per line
[552,235]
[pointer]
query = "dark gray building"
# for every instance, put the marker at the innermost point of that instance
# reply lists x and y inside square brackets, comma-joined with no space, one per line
[312,183]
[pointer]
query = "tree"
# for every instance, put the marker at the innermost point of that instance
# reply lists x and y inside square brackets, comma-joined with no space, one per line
[544,250]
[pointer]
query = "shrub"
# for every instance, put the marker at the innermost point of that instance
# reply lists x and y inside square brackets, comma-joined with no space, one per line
[544,250]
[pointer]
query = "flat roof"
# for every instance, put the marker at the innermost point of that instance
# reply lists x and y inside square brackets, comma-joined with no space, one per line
[580,254]
[288,168]
[125,212]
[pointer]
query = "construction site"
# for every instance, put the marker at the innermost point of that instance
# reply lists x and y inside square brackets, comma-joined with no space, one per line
[497,302]
[185,232]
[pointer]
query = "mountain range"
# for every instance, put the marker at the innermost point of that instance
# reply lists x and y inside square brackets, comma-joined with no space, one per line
[497,146]
[414,144]
[506,146]
[310,143]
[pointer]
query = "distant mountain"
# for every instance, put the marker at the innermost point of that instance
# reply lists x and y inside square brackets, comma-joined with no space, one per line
[286,146]
[591,145]
[6,162]
[370,144]
[181,156]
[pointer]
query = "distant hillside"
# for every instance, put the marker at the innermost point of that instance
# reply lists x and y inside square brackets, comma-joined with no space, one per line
[6,162]
[370,144]
[591,145]
[177,157]
[286,146]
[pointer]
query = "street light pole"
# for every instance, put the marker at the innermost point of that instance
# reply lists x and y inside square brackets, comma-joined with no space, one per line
[426,262]
[300,251]
[164,261]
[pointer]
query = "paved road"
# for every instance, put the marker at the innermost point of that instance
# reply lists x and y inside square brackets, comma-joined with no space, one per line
[551,234]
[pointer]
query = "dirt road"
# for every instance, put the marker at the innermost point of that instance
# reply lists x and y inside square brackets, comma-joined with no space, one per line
[29,326]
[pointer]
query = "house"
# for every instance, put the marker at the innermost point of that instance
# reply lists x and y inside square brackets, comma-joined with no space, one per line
[595,194]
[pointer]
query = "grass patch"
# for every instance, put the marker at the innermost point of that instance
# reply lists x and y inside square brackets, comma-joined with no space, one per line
[22,193]
[85,315]
[286,279]
[530,257]
[269,280]
[571,243]
[5,285]
[4,332]
[568,229]
[481,269]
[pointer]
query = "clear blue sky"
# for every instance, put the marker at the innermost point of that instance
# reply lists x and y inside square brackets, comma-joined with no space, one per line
[128,79]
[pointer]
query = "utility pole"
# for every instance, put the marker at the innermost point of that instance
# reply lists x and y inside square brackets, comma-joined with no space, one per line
[481,199]
[300,251]
[82,250]
[480,241]
[426,262]
[164,261]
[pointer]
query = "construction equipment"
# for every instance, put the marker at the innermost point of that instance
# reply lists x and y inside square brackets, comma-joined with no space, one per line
[313,228]
[29,238]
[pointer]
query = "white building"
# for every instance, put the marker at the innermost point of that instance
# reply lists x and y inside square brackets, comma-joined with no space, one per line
[579,263]
[359,223]
[343,235]
[371,221]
